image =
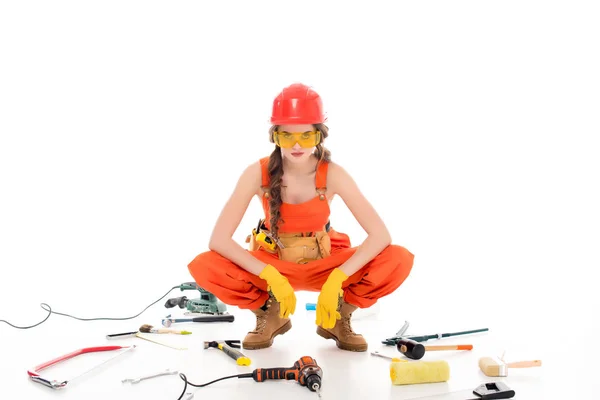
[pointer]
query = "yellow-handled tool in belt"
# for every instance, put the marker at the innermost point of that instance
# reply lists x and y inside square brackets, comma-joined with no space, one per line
[263,239]
[227,347]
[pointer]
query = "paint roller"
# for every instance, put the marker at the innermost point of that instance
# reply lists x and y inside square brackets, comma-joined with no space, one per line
[404,372]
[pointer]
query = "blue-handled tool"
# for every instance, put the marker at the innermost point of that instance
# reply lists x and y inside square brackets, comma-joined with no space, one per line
[393,341]
[166,322]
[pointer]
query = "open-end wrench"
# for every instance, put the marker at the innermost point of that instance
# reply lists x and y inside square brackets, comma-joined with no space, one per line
[378,354]
[138,380]
[403,330]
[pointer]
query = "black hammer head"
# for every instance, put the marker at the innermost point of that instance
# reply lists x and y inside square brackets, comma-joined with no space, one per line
[215,343]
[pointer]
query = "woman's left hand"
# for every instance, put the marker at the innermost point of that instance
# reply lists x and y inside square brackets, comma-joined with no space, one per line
[327,304]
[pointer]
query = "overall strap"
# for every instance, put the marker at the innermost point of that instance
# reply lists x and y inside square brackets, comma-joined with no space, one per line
[321,179]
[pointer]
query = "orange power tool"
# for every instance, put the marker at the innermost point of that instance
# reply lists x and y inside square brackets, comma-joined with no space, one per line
[305,371]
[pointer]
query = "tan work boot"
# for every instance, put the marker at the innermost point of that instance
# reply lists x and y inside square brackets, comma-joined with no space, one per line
[268,325]
[342,332]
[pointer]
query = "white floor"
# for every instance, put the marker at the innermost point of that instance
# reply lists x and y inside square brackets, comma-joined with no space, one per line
[125,128]
[522,331]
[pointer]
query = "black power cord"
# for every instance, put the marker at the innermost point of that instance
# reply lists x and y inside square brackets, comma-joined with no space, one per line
[182,376]
[50,312]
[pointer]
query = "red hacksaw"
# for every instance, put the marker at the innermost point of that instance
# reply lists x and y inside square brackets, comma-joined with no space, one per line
[54,384]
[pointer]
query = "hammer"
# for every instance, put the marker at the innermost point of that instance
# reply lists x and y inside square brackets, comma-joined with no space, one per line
[495,366]
[415,350]
[227,347]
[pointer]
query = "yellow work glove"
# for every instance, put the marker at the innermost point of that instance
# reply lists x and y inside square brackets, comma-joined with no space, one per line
[281,289]
[327,305]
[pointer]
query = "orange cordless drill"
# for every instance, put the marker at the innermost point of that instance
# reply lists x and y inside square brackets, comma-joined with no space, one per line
[305,371]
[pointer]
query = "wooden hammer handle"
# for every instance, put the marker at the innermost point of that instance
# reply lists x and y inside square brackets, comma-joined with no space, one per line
[456,347]
[525,364]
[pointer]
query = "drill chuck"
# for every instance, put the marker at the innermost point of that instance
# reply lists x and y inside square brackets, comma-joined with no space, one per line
[313,382]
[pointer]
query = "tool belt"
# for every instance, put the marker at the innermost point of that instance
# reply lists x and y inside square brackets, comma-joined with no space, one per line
[296,247]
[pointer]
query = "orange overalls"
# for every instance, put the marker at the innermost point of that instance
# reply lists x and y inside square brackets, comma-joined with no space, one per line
[235,286]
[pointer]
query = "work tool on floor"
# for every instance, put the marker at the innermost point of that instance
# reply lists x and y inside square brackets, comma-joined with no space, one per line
[305,371]
[403,330]
[406,372]
[207,305]
[229,347]
[496,366]
[168,320]
[493,390]
[485,391]
[54,384]
[393,341]
[143,378]
[146,328]
[122,335]
[140,336]
[415,350]
[378,354]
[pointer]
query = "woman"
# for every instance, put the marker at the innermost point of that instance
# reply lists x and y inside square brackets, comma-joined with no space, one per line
[294,246]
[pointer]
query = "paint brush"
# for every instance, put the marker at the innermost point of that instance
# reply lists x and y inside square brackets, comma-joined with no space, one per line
[138,334]
[146,328]
[121,335]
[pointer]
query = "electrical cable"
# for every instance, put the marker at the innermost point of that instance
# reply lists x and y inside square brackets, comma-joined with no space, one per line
[182,376]
[50,312]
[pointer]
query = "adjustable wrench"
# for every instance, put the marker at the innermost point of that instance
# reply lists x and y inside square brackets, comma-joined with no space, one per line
[138,380]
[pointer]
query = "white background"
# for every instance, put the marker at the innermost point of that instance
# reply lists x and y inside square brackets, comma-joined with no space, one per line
[471,126]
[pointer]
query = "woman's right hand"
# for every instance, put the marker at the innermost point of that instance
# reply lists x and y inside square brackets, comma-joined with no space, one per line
[281,289]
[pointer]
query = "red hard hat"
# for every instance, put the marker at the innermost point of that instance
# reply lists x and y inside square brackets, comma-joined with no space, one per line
[298,104]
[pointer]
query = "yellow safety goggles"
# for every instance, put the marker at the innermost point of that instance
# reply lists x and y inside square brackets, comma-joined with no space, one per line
[304,139]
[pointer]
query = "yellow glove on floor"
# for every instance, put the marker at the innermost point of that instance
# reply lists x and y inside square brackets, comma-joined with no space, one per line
[327,305]
[281,289]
